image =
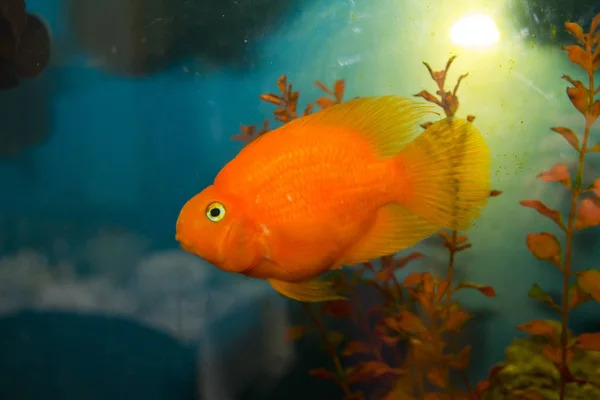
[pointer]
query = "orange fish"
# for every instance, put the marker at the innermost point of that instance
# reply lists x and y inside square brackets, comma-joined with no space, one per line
[343,186]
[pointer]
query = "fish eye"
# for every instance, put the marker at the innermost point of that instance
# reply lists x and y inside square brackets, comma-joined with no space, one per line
[215,211]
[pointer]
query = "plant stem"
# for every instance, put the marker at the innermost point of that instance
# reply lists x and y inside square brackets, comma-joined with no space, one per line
[576,193]
[330,349]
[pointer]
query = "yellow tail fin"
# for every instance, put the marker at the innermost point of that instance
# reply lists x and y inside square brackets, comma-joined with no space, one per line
[444,174]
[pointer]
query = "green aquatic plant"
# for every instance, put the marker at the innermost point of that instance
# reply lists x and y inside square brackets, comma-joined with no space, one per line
[554,344]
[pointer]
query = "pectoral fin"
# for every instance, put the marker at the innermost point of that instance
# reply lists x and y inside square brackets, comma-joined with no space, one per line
[312,290]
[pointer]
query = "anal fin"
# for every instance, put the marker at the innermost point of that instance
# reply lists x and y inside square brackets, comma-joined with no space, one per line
[395,229]
[312,290]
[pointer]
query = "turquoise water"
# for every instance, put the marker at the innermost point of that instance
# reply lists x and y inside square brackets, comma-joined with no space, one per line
[136,108]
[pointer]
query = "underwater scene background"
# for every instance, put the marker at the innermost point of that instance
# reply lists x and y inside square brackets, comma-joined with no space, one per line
[115,113]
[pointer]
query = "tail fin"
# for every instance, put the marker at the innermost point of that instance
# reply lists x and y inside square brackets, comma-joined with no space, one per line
[444,174]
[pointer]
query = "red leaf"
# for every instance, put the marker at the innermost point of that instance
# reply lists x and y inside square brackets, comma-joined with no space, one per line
[544,246]
[437,396]
[438,376]
[559,173]
[589,281]
[293,333]
[400,263]
[355,396]
[339,88]
[538,328]
[356,347]
[387,273]
[579,56]
[577,296]
[596,185]
[588,213]
[456,320]
[595,108]
[554,354]
[594,149]
[589,341]
[338,308]
[544,210]
[409,322]
[579,98]
[324,88]
[576,31]
[413,279]
[529,395]
[595,23]
[568,135]
[325,102]
[486,290]
[372,369]
[322,373]
[271,98]
[462,358]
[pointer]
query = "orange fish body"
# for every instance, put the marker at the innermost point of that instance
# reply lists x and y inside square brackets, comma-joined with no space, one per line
[343,186]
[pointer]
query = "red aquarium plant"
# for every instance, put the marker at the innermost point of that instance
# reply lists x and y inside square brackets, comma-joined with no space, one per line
[423,370]
[584,212]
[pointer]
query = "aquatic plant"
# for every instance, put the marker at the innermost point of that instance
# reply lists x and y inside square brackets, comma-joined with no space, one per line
[422,350]
[559,348]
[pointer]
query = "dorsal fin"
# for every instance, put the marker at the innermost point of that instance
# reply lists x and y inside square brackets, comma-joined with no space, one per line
[388,122]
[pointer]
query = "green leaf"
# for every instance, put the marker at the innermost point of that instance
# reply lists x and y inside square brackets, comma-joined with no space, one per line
[335,338]
[537,293]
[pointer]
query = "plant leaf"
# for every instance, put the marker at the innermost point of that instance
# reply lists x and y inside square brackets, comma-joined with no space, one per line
[594,109]
[569,135]
[594,149]
[338,308]
[271,98]
[543,209]
[595,23]
[437,396]
[356,347]
[401,262]
[438,376]
[338,89]
[373,369]
[544,246]
[577,296]
[575,30]
[413,279]
[410,323]
[387,273]
[456,320]
[538,327]
[579,98]
[537,293]
[324,88]
[486,290]
[296,332]
[335,338]
[588,213]
[528,395]
[322,373]
[589,282]
[559,173]
[589,341]
[595,187]
[579,56]
[325,102]
[462,358]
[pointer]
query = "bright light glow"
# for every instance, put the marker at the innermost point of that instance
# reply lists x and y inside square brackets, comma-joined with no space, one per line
[476,30]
